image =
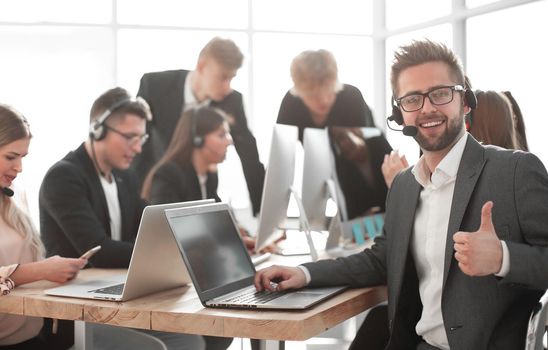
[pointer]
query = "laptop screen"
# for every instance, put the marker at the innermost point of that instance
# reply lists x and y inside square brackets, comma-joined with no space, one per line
[213,248]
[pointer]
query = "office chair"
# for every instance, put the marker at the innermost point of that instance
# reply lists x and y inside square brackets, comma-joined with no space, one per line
[538,325]
[109,337]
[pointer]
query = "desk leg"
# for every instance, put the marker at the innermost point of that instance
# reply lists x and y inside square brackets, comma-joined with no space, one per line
[83,335]
[272,344]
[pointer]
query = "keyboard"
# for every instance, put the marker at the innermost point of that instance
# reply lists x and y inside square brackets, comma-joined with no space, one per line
[114,289]
[251,296]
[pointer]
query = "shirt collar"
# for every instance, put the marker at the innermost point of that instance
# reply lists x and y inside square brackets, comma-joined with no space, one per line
[445,171]
[190,98]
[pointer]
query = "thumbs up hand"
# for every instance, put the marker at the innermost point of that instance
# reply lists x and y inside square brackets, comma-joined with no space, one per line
[479,253]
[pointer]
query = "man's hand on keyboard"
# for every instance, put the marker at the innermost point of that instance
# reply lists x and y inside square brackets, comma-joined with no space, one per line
[279,278]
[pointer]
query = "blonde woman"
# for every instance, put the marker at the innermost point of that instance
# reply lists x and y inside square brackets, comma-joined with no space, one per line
[21,251]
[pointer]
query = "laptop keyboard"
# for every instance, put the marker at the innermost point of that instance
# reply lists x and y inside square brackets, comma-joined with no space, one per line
[251,296]
[115,289]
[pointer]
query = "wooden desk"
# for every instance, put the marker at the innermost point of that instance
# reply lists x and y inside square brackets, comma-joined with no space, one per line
[180,310]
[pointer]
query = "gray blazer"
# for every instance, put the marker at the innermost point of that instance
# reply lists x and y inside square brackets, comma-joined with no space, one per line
[479,312]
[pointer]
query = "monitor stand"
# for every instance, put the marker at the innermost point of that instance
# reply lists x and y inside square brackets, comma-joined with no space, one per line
[335,225]
[305,227]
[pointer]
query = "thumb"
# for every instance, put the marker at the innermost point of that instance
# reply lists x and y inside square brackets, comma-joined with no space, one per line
[404,161]
[486,218]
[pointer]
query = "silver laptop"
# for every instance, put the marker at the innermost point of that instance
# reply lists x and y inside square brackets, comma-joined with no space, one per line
[155,264]
[220,268]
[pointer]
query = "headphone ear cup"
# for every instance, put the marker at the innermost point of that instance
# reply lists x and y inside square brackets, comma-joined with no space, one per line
[471,99]
[198,141]
[396,115]
[96,131]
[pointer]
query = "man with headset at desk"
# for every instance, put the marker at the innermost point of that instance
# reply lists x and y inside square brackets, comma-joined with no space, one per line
[464,250]
[89,199]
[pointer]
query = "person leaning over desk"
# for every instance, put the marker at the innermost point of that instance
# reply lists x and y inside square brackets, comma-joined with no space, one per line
[21,251]
[170,93]
[88,198]
[464,252]
[319,100]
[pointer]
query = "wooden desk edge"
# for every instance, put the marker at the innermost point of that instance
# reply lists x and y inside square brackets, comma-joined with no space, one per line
[277,325]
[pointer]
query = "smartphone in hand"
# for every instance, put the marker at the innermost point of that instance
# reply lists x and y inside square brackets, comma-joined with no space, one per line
[91,252]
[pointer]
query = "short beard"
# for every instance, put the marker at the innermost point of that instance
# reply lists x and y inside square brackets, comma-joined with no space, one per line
[455,126]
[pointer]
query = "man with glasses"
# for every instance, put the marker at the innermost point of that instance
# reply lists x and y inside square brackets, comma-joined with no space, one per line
[464,252]
[89,199]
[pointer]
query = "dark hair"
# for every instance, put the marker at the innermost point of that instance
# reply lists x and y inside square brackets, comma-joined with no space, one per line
[113,96]
[521,136]
[206,119]
[13,125]
[419,52]
[492,121]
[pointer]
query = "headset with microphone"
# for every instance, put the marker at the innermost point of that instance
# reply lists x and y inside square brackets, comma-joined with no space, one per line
[197,140]
[7,191]
[411,130]
[97,129]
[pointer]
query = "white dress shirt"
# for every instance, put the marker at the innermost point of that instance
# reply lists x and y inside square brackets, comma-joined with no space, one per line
[429,236]
[113,204]
[190,98]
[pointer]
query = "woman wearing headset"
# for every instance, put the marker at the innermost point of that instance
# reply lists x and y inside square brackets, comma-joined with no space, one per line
[187,171]
[21,251]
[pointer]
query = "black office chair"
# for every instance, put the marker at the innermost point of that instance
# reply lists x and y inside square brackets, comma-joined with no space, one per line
[538,326]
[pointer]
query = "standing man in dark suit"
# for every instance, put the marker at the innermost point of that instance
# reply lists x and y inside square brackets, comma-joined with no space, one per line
[465,246]
[319,100]
[169,93]
[88,199]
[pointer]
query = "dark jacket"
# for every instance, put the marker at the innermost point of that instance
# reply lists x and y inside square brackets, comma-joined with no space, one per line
[349,110]
[175,183]
[164,92]
[74,213]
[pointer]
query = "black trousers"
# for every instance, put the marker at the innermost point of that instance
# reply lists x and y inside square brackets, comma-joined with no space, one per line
[217,343]
[373,333]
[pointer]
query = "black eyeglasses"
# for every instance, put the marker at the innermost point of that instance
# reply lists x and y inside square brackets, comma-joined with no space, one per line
[130,138]
[438,96]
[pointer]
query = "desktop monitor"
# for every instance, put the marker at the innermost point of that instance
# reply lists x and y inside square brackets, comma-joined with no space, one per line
[277,184]
[318,173]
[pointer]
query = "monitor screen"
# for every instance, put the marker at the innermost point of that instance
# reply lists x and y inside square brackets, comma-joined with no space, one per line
[212,247]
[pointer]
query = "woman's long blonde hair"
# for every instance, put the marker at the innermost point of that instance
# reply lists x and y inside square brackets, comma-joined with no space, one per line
[13,127]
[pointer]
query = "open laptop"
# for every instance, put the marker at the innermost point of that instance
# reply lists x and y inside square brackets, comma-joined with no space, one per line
[220,268]
[155,264]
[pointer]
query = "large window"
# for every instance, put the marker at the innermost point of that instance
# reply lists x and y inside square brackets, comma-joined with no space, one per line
[513,58]
[54,63]
[52,74]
